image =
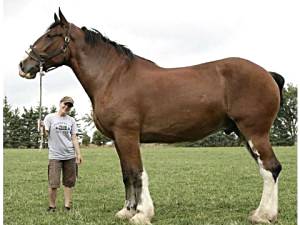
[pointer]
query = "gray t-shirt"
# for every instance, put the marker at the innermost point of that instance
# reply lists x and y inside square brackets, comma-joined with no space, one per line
[60,130]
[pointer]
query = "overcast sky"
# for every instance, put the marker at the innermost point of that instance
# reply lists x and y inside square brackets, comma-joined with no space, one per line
[170,33]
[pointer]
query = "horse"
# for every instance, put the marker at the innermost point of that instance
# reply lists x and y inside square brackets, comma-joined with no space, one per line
[136,101]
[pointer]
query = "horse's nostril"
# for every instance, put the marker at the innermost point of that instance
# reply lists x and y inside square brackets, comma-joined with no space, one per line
[21,65]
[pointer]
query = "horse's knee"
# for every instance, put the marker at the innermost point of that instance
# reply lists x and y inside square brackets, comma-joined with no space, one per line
[262,151]
[274,166]
[132,177]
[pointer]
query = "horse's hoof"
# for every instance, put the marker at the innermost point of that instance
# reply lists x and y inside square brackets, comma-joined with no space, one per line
[125,214]
[140,219]
[258,217]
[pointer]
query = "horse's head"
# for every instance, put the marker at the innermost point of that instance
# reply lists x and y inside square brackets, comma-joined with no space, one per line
[49,51]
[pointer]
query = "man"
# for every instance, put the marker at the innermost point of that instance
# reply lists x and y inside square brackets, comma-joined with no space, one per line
[64,152]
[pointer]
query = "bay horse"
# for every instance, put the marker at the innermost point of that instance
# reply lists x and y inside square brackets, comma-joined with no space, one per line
[136,101]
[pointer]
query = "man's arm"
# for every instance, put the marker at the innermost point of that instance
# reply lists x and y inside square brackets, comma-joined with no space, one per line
[77,149]
[42,129]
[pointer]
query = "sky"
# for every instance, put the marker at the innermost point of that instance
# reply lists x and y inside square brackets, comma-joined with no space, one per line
[170,33]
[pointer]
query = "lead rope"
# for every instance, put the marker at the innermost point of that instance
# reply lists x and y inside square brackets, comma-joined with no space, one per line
[40,128]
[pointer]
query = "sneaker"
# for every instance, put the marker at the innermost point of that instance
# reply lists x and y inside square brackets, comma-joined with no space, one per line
[51,209]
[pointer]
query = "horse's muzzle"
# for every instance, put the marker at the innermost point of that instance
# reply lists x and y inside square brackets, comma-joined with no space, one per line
[28,75]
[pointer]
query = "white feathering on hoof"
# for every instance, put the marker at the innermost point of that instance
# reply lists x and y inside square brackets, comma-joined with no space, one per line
[146,205]
[268,208]
[140,219]
[145,209]
[125,214]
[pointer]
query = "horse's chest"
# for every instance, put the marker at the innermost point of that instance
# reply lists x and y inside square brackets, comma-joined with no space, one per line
[103,121]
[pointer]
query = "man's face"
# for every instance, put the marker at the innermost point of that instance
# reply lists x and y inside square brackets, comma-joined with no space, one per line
[65,107]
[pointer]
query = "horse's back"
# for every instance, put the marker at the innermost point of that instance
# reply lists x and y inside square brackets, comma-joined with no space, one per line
[189,103]
[180,104]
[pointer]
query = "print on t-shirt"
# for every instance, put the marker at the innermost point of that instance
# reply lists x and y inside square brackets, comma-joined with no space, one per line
[63,128]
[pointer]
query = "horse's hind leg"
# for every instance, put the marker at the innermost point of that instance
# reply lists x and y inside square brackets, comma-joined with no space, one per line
[138,204]
[269,168]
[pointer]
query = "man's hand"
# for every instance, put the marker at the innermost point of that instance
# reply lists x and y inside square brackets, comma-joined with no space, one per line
[40,124]
[79,159]
[77,149]
[41,127]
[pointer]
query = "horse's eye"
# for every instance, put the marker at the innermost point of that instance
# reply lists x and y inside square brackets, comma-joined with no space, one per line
[53,35]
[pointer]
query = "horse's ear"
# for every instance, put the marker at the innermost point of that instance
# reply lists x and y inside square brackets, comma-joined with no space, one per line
[62,18]
[56,18]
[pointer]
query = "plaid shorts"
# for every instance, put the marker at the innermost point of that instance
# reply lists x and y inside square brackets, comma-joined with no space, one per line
[66,167]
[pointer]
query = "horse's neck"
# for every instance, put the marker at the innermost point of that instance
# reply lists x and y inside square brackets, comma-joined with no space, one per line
[95,68]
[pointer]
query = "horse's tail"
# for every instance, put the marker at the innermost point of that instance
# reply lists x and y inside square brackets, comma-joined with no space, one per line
[280,82]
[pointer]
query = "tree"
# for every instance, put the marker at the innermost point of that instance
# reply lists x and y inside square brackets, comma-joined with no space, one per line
[20,130]
[88,119]
[30,137]
[99,138]
[215,140]
[7,117]
[15,133]
[53,109]
[29,120]
[284,130]
[74,114]
[85,139]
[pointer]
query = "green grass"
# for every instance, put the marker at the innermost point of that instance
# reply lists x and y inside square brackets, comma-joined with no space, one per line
[211,186]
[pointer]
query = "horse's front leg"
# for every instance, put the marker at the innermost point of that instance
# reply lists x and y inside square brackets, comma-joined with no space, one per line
[138,204]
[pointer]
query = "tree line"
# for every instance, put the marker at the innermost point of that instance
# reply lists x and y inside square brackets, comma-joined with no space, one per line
[20,128]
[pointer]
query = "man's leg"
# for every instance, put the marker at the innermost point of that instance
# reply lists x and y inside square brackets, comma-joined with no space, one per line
[54,171]
[69,179]
[52,197]
[68,196]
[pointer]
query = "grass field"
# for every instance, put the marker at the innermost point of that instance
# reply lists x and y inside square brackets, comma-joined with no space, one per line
[211,186]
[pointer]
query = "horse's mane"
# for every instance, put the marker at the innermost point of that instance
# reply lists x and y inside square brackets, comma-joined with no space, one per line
[54,24]
[93,37]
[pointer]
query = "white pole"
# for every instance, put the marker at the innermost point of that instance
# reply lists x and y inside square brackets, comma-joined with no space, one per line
[40,110]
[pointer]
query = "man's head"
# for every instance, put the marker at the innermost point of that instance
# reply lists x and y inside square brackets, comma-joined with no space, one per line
[66,103]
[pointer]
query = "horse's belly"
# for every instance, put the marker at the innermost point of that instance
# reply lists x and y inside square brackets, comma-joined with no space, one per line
[172,129]
[170,137]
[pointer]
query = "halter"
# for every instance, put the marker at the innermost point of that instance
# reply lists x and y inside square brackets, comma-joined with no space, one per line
[41,59]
